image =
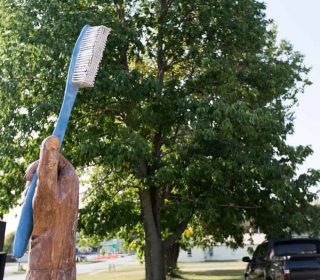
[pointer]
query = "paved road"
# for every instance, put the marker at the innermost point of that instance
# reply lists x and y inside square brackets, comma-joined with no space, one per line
[81,268]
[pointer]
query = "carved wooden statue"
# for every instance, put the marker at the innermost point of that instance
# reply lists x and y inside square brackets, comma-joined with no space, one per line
[55,209]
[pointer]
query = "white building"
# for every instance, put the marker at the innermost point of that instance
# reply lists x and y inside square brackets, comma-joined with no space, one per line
[221,252]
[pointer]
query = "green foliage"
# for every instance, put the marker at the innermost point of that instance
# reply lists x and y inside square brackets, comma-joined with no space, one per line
[87,242]
[103,251]
[8,241]
[192,103]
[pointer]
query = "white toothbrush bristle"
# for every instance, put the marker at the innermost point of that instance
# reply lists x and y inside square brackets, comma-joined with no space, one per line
[90,56]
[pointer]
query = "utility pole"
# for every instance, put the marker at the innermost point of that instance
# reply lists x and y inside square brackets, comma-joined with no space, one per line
[2,254]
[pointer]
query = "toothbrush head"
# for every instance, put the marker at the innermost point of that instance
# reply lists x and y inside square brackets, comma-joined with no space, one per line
[90,56]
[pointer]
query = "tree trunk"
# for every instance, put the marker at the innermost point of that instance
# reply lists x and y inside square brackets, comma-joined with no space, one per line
[155,265]
[147,258]
[172,254]
[154,249]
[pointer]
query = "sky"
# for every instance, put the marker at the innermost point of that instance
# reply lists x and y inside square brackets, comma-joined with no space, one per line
[298,22]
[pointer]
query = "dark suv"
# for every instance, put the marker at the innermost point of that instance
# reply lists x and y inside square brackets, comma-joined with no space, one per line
[291,259]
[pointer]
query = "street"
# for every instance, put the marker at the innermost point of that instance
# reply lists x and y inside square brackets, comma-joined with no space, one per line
[12,268]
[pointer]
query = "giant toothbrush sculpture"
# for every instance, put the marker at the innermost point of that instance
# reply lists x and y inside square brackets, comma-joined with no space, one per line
[85,60]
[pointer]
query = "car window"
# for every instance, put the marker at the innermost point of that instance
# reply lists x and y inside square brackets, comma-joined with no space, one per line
[261,251]
[288,249]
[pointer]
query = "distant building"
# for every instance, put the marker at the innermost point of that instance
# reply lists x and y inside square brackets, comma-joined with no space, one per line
[221,252]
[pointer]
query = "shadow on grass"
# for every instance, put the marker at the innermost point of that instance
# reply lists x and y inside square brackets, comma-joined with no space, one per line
[229,274]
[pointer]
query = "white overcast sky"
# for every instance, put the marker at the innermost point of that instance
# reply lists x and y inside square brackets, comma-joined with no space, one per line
[298,22]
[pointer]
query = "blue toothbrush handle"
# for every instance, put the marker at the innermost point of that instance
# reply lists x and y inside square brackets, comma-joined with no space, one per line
[65,112]
[25,225]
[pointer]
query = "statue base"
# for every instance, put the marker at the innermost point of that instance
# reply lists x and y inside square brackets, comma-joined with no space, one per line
[2,254]
[2,264]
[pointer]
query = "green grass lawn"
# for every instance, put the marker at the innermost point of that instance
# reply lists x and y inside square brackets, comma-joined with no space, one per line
[123,272]
[190,271]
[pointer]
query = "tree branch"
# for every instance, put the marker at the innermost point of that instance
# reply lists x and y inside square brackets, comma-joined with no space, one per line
[119,7]
[156,205]
[179,230]
[239,206]
[161,60]
[157,143]
[148,215]
[193,199]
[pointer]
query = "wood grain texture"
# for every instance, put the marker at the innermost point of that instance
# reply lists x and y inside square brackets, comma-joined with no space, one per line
[55,210]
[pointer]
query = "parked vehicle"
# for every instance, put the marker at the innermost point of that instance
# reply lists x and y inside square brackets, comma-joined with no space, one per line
[10,258]
[81,258]
[290,259]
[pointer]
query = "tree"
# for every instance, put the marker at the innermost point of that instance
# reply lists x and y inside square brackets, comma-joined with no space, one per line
[86,243]
[188,119]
